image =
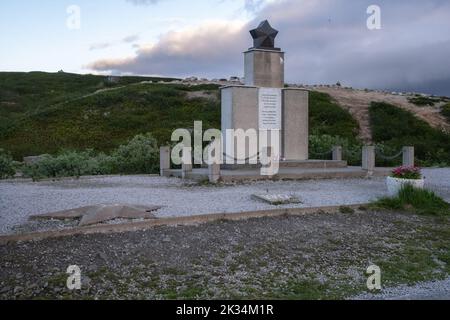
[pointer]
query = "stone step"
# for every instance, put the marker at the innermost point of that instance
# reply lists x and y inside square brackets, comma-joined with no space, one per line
[306,164]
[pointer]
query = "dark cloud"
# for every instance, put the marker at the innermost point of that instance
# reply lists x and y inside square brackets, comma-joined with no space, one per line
[325,41]
[131,38]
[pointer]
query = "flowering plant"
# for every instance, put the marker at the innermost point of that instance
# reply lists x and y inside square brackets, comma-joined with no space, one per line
[407,173]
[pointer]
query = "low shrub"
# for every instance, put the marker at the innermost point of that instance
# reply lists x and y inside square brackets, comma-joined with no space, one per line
[7,166]
[138,156]
[423,101]
[445,111]
[393,128]
[65,164]
[320,148]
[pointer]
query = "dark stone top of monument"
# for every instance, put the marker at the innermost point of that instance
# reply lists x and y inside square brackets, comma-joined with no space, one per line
[264,36]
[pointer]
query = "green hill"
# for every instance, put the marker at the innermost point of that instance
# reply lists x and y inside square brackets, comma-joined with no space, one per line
[48,112]
[45,113]
[27,92]
[395,127]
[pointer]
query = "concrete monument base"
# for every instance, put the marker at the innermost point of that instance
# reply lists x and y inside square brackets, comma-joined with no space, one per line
[241,109]
[244,175]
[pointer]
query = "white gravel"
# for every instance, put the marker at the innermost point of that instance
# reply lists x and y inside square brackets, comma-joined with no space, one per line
[20,199]
[433,290]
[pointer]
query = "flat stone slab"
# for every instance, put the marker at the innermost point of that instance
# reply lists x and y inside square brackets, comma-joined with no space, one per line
[276,199]
[102,213]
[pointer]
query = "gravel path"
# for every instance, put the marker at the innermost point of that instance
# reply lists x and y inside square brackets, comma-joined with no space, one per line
[433,290]
[19,199]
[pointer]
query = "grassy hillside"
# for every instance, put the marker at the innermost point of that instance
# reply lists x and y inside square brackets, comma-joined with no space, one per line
[445,111]
[45,113]
[396,127]
[108,119]
[50,114]
[327,117]
[23,93]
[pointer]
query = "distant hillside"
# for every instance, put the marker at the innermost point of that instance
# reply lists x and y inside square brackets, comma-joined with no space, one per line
[358,102]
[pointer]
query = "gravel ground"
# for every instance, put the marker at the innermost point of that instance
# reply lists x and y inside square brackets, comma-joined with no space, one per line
[316,256]
[19,199]
[431,290]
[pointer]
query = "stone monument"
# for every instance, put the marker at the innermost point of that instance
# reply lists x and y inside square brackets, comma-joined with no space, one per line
[264,103]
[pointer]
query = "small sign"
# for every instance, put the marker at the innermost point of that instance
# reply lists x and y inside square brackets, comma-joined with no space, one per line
[269,109]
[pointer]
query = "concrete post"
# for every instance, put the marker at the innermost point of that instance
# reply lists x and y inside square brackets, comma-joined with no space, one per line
[368,159]
[164,159]
[270,163]
[214,149]
[186,162]
[408,156]
[214,172]
[337,153]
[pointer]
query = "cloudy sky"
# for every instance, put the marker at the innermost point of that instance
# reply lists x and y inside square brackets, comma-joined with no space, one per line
[325,40]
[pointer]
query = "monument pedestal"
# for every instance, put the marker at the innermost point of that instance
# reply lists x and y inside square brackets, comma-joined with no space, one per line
[242,109]
[264,68]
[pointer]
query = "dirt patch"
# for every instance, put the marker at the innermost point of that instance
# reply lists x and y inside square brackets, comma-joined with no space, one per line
[357,102]
[308,257]
[202,95]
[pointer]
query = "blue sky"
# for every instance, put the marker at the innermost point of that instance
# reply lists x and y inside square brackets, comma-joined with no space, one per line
[34,34]
[325,40]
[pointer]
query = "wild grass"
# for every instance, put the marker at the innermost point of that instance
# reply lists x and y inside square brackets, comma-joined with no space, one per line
[419,201]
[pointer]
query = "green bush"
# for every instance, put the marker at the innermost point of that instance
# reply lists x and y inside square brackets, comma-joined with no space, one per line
[384,153]
[445,111]
[417,200]
[327,118]
[65,164]
[7,167]
[321,145]
[140,155]
[423,101]
[394,128]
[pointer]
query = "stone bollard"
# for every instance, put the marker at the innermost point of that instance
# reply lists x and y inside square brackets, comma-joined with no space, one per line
[213,158]
[337,153]
[164,160]
[368,159]
[270,163]
[408,156]
[186,162]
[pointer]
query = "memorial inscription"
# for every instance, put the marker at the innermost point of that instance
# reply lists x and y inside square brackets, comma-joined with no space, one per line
[269,109]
